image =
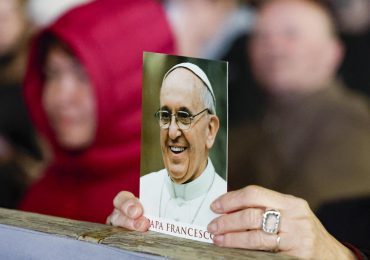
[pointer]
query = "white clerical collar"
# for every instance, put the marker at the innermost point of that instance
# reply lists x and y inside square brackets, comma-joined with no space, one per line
[193,189]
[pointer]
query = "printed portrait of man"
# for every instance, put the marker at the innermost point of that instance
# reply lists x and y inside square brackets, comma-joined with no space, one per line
[188,122]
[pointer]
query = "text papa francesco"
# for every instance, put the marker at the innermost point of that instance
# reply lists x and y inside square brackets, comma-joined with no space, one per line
[190,232]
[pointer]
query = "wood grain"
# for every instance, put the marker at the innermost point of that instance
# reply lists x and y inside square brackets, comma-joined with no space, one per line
[148,242]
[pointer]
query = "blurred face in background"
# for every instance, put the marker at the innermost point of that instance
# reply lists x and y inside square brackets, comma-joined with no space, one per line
[293,47]
[12,24]
[196,22]
[68,100]
[353,16]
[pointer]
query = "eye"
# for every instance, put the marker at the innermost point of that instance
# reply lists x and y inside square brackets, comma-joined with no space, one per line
[51,74]
[183,117]
[164,115]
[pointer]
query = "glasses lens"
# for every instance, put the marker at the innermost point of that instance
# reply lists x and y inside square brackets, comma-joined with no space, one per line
[183,119]
[164,117]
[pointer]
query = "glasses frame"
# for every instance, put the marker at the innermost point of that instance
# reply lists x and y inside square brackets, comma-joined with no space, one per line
[181,125]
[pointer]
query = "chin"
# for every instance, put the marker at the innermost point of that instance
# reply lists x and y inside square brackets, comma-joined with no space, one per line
[177,176]
[73,143]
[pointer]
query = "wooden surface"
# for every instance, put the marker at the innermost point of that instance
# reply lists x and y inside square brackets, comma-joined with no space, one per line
[148,242]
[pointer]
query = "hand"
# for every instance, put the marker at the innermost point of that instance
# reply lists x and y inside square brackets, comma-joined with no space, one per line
[128,213]
[301,233]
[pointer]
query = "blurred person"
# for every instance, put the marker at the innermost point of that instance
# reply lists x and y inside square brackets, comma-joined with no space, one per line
[352,16]
[313,139]
[14,34]
[19,149]
[83,89]
[353,19]
[207,28]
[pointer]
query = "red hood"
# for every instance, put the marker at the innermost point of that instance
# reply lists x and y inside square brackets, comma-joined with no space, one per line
[109,39]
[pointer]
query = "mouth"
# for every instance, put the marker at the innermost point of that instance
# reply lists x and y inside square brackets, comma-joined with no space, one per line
[177,150]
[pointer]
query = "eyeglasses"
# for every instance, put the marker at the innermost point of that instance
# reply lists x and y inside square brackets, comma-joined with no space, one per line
[183,118]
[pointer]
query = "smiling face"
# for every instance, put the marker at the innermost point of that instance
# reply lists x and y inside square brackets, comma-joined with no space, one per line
[185,152]
[68,100]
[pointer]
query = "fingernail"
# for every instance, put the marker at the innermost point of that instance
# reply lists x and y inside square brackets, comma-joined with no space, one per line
[216,206]
[213,227]
[132,211]
[219,240]
[138,224]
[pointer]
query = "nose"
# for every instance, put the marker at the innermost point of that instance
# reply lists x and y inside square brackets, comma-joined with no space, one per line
[173,130]
[271,41]
[66,89]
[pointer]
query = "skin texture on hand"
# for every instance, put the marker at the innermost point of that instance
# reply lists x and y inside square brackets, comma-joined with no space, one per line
[128,213]
[302,235]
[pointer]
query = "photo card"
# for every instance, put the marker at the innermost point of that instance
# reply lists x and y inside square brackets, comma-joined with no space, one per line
[184,142]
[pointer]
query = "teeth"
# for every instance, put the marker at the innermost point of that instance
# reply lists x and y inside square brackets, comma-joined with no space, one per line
[177,149]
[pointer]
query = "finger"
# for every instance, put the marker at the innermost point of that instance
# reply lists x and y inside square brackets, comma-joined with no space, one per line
[121,197]
[250,196]
[140,224]
[243,220]
[108,221]
[253,240]
[128,204]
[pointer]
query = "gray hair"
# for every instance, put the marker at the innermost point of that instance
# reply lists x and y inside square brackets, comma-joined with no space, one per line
[207,96]
[207,99]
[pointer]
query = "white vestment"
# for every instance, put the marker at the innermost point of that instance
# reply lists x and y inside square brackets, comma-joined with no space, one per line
[187,203]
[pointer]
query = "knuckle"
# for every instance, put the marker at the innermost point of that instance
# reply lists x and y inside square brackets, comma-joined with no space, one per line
[221,224]
[300,205]
[254,241]
[303,207]
[249,217]
[125,222]
[116,200]
[229,241]
[256,218]
[120,198]
[250,191]
[264,243]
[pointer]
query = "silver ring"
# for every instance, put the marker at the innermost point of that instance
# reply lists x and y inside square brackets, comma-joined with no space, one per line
[276,249]
[271,221]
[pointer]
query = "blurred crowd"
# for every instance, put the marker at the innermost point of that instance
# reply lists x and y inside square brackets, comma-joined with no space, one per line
[299,113]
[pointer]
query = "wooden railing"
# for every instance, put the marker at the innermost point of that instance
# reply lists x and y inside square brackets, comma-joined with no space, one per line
[148,243]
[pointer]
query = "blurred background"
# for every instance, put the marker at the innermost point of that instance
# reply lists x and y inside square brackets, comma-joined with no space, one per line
[208,29]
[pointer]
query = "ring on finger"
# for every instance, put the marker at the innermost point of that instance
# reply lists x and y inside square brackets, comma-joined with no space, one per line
[271,221]
[276,249]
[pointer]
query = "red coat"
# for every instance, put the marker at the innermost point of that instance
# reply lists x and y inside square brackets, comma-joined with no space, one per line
[108,37]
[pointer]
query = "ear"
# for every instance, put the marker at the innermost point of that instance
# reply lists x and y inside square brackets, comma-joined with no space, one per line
[213,126]
[338,51]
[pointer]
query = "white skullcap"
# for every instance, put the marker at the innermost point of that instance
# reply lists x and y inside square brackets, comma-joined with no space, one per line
[197,71]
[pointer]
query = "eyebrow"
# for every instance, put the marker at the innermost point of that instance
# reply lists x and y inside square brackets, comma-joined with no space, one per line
[165,108]
[185,109]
